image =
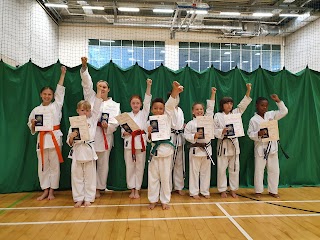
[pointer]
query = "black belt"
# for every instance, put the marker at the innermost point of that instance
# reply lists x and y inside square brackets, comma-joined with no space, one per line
[205,147]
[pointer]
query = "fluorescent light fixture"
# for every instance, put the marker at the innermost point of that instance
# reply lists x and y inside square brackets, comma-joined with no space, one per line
[128,9]
[200,12]
[53,5]
[216,61]
[130,50]
[245,61]
[289,15]
[191,61]
[227,53]
[134,60]
[107,41]
[257,54]
[228,61]
[162,10]
[93,7]
[156,60]
[262,14]
[230,13]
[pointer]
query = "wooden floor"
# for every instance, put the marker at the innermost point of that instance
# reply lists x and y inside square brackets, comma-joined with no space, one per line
[115,216]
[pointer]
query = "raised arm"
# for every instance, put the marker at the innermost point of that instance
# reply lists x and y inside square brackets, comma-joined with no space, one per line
[242,106]
[283,110]
[86,82]
[147,99]
[60,90]
[211,102]
[173,100]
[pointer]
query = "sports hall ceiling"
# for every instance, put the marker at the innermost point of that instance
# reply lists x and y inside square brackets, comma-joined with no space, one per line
[188,15]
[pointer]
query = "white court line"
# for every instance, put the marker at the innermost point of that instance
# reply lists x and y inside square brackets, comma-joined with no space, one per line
[155,219]
[171,204]
[237,225]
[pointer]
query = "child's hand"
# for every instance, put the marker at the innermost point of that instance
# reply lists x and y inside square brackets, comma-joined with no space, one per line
[63,70]
[149,129]
[224,131]
[104,124]
[149,82]
[262,132]
[275,98]
[84,61]
[126,133]
[213,90]
[248,85]
[73,135]
[197,135]
[33,123]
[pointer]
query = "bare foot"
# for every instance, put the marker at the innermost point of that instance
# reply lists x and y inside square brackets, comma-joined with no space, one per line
[165,206]
[44,195]
[87,204]
[258,195]
[223,195]
[152,206]
[51,196]
[275,195]
[132,193]
[98,194]
[233,194]
[206,196]
[136,194]
[78,204]
[196,197]
[180,192]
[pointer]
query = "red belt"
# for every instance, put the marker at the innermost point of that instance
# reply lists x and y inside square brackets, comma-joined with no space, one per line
[106,147]
[133,135]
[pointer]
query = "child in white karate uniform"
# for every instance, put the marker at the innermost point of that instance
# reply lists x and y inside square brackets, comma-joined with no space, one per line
[103,141]
[135,142]
[49,142]
[228,149]
[199,164]
[83,155]
[266,153]
[178,161]
[159,170]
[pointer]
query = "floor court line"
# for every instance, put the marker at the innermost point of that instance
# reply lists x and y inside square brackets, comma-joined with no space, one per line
[156,219]
[237,225]
[171,204]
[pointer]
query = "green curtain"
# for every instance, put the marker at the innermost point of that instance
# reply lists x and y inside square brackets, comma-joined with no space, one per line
[299,130]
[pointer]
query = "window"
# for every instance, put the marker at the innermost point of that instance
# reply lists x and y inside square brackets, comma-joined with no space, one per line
[226,56]
[125,53]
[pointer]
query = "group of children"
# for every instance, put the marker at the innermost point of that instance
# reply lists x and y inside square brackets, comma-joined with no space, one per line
[166,170]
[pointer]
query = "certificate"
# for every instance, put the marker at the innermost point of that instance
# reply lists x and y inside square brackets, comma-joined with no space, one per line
[161,127]
[112,111]
[44,121]
[270,131]
[79,124]
[127,123]
[234,125]
[205,127]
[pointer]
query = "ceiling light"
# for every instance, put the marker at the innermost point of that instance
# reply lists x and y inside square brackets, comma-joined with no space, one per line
[227,53]
[230,13]
[128,9]
[107,41]
[289,15]
[93,7]
[53,5]
[162,10]
[262,14]
[191,61]
[200,12]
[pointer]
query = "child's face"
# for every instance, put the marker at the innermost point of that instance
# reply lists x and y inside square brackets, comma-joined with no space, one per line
[227,107]
[83,111]
[157,108]
[262,107]
[104,88]
[198,110]
[46,96]
[135,104]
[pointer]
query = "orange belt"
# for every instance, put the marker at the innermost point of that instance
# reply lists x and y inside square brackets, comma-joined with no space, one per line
[133,135]
[56,145]
[106,147]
